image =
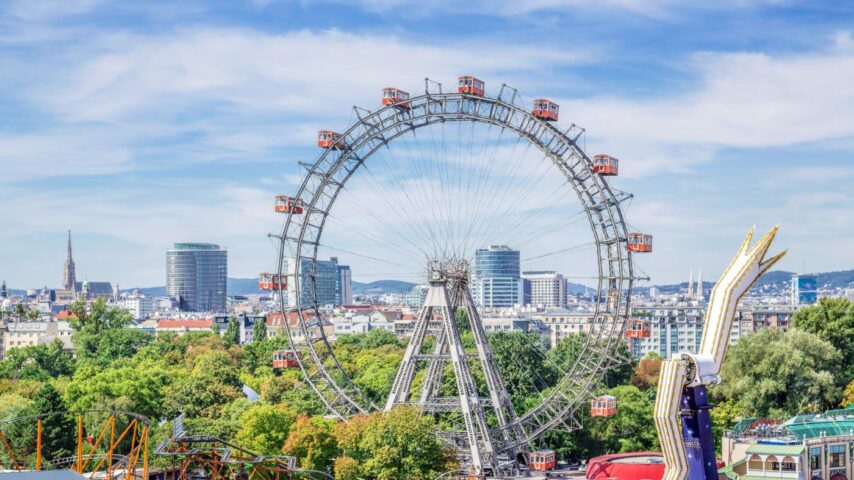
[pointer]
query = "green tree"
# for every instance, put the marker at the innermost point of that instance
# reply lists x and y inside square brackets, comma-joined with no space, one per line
[632,428]
[91,324]
[521,359]
[58,433]
[832,319]
[121,343]
[232,332]
[372,339]
[141,387]
[259,353]
[37,362]
[259,330]
[265,428]
[724,417]
[212,382]
[848,396]
[401,443]
[312,442]
[771,373]
[376,369]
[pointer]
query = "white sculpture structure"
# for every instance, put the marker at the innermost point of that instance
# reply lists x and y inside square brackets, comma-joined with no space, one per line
[681,404]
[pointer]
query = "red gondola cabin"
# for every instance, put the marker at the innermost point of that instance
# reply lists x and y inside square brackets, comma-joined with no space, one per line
[471,86]
[396,96]
[543,460]
[272,281]
[638,329]
[331,140]
[605,165]
[286,204]
[545,109]
[285,359]
[603,406]
[639,242]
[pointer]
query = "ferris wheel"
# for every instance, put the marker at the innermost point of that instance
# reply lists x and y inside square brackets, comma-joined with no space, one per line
[440,188]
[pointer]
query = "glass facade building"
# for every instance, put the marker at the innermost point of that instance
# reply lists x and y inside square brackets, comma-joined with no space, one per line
[321,279]
[197,276]
[804,289]
[497,277]
[344,287]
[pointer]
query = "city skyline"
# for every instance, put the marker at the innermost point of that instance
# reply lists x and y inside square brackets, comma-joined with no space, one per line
[727,127]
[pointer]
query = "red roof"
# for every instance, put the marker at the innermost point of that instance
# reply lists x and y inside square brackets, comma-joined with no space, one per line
[65,315]
[626,466]
[206,323]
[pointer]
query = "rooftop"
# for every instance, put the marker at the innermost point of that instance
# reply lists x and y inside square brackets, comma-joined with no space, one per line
[775,449]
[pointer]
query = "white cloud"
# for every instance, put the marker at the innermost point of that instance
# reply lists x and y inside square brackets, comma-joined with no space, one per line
[743,100]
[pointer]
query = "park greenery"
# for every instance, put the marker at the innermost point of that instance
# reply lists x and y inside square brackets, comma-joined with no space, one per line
[203,375]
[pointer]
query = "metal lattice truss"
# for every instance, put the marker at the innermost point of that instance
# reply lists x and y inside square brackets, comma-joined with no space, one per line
[372,131]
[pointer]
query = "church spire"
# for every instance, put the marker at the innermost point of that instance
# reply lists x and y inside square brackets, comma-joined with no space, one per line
[69,278]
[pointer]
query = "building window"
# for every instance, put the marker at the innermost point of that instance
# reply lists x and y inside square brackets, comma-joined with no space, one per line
[789,464]
[836,455]
[815,458]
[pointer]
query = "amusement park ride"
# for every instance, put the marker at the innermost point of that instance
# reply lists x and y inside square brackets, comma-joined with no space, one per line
[491,438]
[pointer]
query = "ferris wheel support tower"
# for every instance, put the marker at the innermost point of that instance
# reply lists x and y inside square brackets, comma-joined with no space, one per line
[449,291]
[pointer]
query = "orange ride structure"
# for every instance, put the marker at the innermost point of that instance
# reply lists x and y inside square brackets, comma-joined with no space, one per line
[193,457]
[114,444]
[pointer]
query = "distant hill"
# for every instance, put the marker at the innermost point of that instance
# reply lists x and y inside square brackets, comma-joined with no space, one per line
[778,280]
[381,287]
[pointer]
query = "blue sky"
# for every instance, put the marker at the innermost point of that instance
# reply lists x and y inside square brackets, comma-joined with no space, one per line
[138,124]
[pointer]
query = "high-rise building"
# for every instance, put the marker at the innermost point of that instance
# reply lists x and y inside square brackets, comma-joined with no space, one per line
[69,278]
[497,277]
[344,287]
[544,289]
[320,279]
[196,275]
[804,289]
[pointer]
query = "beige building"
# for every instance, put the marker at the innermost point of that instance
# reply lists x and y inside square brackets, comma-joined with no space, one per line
[24,334]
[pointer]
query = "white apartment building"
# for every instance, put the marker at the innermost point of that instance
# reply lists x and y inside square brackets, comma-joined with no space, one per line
[138,304]
[544,289]
[558,324]
[24,334]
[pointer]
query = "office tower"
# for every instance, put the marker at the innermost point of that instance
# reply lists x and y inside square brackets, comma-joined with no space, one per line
[344,288]
[804,289]
[497,280]
[196,275]
[318,282]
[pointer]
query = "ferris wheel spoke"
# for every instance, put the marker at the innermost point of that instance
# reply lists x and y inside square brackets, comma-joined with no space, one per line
[503,206]
[429,195]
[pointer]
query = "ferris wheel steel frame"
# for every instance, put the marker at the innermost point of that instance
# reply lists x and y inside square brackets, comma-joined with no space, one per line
[372,131]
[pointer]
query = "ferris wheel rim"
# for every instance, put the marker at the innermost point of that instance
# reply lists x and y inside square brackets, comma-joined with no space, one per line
[607,215]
